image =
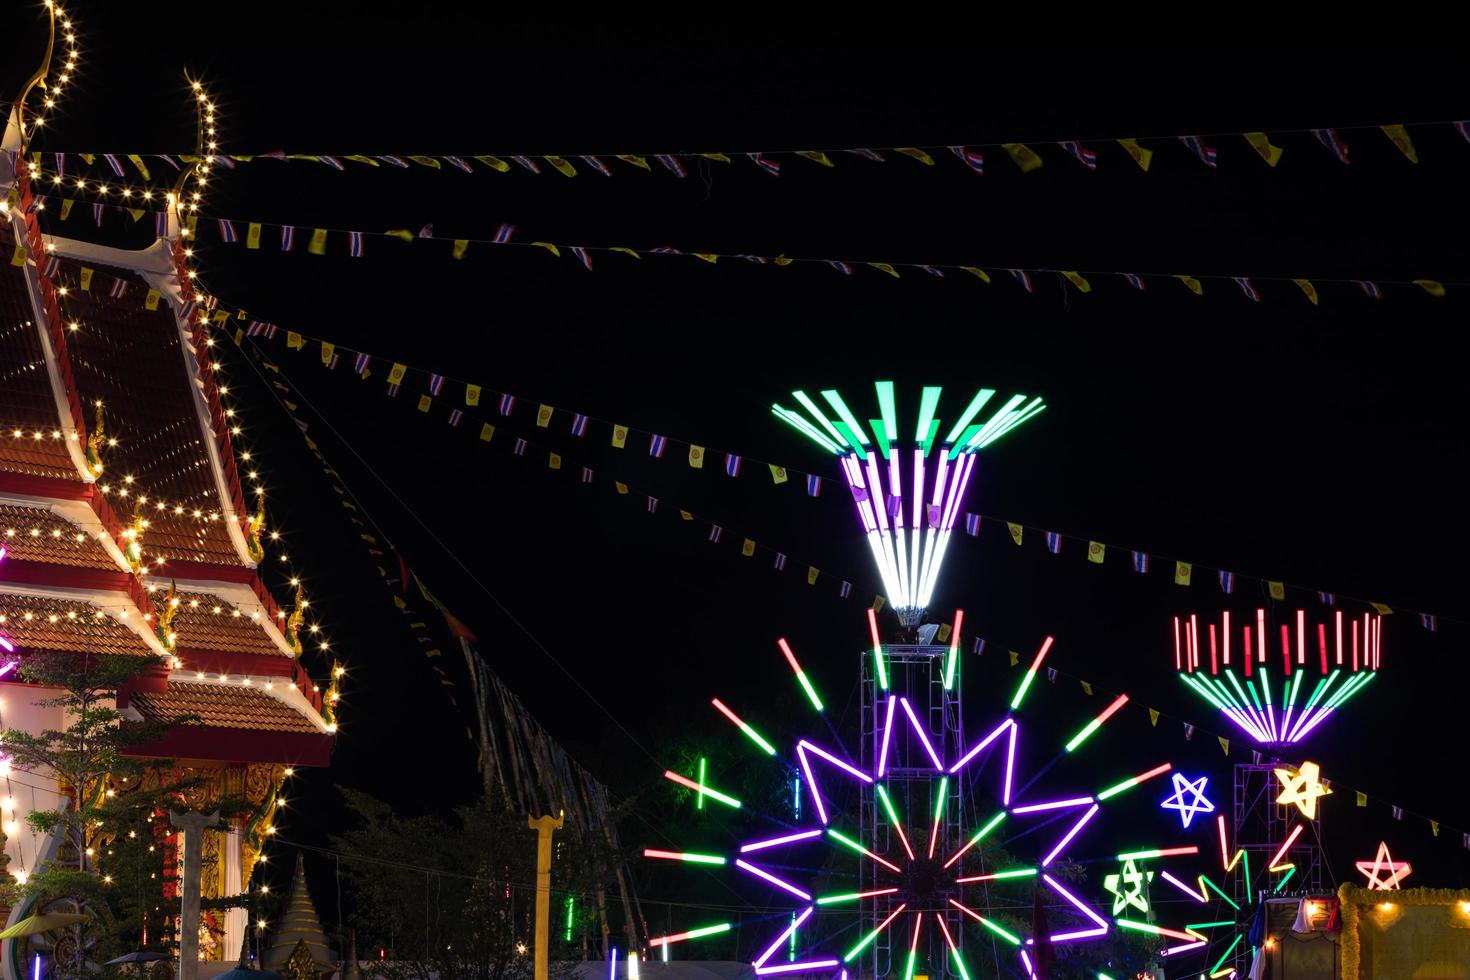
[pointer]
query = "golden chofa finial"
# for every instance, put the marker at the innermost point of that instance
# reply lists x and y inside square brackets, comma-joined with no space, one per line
[295,620]
[96,440]
[165,629]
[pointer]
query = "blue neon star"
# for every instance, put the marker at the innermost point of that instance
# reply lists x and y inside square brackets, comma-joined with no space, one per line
[1188,808]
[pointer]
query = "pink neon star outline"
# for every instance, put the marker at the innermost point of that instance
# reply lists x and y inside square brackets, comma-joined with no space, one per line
[1397,870]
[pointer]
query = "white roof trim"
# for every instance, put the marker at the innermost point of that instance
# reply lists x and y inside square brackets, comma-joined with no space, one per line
[240,596]
[79,514]
[280,689]
[105,600]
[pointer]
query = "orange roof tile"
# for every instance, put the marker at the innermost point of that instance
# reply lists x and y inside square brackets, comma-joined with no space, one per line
[36,534]
[221,706]
[61,624]
[26,401]
[207,622]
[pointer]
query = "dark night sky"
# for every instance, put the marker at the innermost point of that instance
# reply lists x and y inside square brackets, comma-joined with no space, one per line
[1321,446]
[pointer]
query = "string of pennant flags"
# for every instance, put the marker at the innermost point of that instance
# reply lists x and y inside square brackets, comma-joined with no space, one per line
[1027,156]
[431,393]
[717,534]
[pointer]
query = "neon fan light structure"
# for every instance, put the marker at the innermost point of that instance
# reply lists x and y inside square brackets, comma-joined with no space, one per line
[907,504]
[1346,658]
[909,890]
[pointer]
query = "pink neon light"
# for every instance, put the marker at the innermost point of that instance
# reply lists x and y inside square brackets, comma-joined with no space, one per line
[1337,616]
[1091,812]
[1225,637]
[1355,646]
[918,489]
[1178,655]
[1062,937]
[954,636]
[1285,650]
[934,830]
[923,738]
[891,916]
[1290,839]
[1198,896]
[885,863]
[850,770]
[1261,635]
[981,747]
[873,628]
[683,781]
[795,924]
[1377,640]
[666,855]
[795,967]
[1301,636]
[1114,708]
[1367,643]
[761,845]
[1246,656]
[1005,796]
[759,873]
[1194,639]
[887,728]
[1322,644]
[974,878]
[918,923]
[1224,847]
[1174,851]
[1053,805]
[1026,962]
[945,929]
[1181,949]
[1214,662]
[806,768]
[10,665]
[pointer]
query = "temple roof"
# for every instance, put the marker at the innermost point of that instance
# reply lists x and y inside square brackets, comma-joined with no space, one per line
[221,705]
[44,623]
[38,534]
[206,621]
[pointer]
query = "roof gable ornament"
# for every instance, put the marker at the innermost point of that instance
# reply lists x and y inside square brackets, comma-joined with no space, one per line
[132,537]
[96,440]
[255,527]
[164,629]
[294,621]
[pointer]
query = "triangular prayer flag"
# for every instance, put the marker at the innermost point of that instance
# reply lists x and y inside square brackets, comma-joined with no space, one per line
[461,245]
[396,373]
[1026,158]
[1192,284]
[1016,531]
[137,161]
[494,163]
[1141,156]
[1399,136]
[328,352]
[1153,717]
[1224,743]
[66,207]
[1430,286]
[1277,590]
[811,575]
[1381,608]
[816,156]
[563,167]
[943,635]
[1015,658]
[427,162]
[621,487]
[1261,143]
[1433,824]
[1095,552]
[1362,798]
[1087,688]
[1182,572]
[150,302]
[1305,285]
[294,340]
[878,601]
[553,461]
[86,279]
[980,274]
[915,153]
[885,267]
[1075,278]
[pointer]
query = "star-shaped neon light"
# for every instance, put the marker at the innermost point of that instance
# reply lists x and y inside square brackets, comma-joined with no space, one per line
[1397,870]
[1130,893]
[1302,787]
[1188,807]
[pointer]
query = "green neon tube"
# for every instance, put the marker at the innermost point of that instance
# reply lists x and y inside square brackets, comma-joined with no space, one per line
[1007,936]
[989,826]
[928,403]
[1296,683]
[840,407]
[1030,674]
[1284,879]
[978,439]
[817,414]
[884,444]
[707,931]
[978,402]
[570,904]
[1210,925]
[805,428]
[882,667]
[888,807]
[960,964]
[699,796]
[887,410]
[1216,889]
[1025,415]
[939,798]
[1228,951]
[863,943]
[1018,873]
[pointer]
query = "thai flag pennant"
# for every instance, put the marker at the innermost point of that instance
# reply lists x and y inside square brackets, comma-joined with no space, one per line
[503,233]
[841,267]
[461,164]
[933,513]
[119,287]
[1135,281]
[160,223]
[714,533]
[666,250]
[1429,622]
[769,166]
[780,563]
[936,273]
[520,447]
[436,384]
[167,159]
[395,161]
[186,313]
[210,302]
[274,155]
[656,446]
[1023,279]
[288,238]
[114,163]
[895,504]
[259,328]
[579,425]
[97,214]
[586,475]
[528,163]
[60,164]
[1051,675]
[1398,812]
[1333,142]
[671,164]
[581,253]
[1227,582]
[392,390]
[972,525]
[975,161]
[1140,562]
[1188,732]
[757,259]
[1463,126]
[332,364]
[867,154]
[859,494]
[597,165]
[1081,153]
[52,264]
[1197,146]
[844,590]
[1247,288]
[1327,598]
[1369,288]
[1053,542]
[332,162]
[454,416]
[225,162]
[813,485]
[507,402]
[732,465]
[227,232]
[652,505]
[354,244]
[360,364]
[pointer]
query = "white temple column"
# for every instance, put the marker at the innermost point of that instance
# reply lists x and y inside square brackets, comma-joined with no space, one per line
[235,917]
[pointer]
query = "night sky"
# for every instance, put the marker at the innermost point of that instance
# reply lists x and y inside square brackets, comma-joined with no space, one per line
[1322,446]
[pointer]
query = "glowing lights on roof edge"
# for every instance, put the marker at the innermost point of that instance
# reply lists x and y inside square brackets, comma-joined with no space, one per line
[908,547]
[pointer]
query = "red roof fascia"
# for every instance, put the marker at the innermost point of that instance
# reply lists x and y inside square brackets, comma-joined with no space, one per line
[234,662]
[199,742]
[48,303]
[154,678]
[70,577]
[238,574]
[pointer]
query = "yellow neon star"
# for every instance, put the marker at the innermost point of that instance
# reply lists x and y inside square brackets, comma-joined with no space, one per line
[1302,787]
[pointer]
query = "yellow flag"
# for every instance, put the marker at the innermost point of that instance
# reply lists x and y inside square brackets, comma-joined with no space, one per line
[553,461]
[487,431]
[424,402]
[816,156]
[1430,286]
[396,373]
[1076,279]
[1026,158]
[619,436]
[327,351]
[472,394]
[89,157]
[1153,717]
[778,473]
[1381,608]
[494,163]
[1362,798]
[86,279]
[625,251]
[748,548]
[150,302]
[1016,531]
[885,267]
[1192,284]
[1015,658]
[549,247]
[18,257]
[192,223]
[1095,552]
[402,234]
[1434,824]
[980,274]
[878,603]
[717,157]
[781,260]
[1305,285]
[424,161]
[1277,590]
[943,635]
[1141,156]
[562,166]
[252,235]
[136,214]
[1224,743]
[811,575]
[461,245]
[221,316]
[137,161]
[294,340]
[686,515]
[1400,138]
[318,243]
[1261,143]
[66,209]
[637,161]
[916,153]
[1087,688]
[710,257]
[621,487]
[359,158]
[1183,571]
[696,457]
[543,416]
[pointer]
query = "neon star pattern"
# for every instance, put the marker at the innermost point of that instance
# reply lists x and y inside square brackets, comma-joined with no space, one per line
[1196,804]
[1302,787]
[1397,870]
[1127,888]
